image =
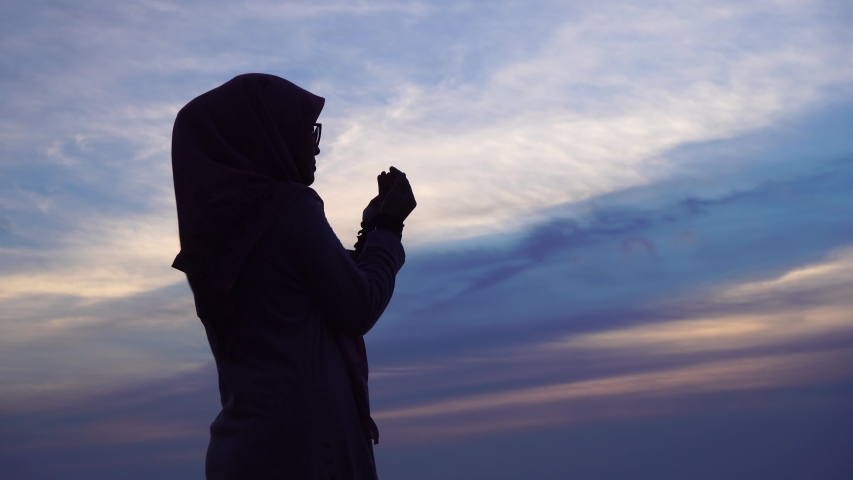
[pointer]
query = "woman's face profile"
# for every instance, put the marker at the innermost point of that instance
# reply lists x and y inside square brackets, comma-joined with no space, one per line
[306,161]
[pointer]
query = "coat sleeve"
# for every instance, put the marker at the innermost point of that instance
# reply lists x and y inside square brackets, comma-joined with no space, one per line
[351,294]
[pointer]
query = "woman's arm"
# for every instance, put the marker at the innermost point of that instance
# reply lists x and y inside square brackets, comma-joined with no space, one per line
[351,294]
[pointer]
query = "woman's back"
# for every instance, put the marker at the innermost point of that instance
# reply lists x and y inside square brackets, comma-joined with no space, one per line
[288,407]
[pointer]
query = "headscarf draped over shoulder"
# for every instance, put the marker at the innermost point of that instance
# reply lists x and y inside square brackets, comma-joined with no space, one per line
[233,151]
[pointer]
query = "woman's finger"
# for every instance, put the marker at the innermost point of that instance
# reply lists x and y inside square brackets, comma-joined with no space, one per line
[401,187]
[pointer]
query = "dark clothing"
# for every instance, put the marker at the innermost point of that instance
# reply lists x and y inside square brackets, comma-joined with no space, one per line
[289,409]
[283,304]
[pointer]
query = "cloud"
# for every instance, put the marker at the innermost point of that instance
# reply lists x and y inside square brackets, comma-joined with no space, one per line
[523,408]
[57,349]
[151,429]
[103,258]
[593,110]
[621,252]
[734,332]
[752,315]
[757,341]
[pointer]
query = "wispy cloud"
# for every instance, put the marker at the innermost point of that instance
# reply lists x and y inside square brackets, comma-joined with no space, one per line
[592,110]
[60,348]
[104,258]
[523,408]
[755,345]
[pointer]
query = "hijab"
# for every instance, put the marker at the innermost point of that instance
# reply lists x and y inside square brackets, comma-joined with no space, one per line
[233,152]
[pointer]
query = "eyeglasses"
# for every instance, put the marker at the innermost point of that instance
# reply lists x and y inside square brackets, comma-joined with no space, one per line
[315,135]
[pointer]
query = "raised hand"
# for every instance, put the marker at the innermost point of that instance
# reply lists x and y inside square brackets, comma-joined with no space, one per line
[371,210]
[385,182]
[400,200]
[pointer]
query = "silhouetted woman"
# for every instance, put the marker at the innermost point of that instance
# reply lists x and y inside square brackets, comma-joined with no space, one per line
[283,303]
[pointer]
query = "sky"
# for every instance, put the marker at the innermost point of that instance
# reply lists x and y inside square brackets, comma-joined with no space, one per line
[631,257]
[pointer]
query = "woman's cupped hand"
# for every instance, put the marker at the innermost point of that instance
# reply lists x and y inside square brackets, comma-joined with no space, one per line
[400,200]
[395,199]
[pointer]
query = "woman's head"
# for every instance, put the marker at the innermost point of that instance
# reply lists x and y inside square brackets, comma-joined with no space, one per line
[241,153]
[256,123]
